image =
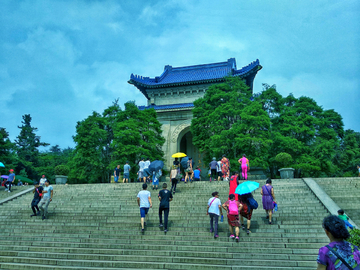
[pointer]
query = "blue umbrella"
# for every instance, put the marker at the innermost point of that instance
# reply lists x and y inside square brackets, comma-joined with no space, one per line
[156,165]
[2,164]
[4,176]
[184,161]
[246,187]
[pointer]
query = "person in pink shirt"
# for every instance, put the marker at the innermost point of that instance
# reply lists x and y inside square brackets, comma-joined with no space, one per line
[244,166]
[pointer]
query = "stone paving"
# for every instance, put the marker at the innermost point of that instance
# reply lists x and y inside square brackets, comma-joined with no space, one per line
[98,227]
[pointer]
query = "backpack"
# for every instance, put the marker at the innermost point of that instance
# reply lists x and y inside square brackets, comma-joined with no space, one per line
[233,208]
[252,203]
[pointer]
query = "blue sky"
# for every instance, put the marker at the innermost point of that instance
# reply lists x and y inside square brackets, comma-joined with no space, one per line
[61,60]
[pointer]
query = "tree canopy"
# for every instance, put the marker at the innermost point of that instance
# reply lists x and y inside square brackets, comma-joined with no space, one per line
[114,137]
[228,120]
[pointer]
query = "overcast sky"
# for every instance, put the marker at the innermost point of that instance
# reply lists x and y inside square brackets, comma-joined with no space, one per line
[61,60]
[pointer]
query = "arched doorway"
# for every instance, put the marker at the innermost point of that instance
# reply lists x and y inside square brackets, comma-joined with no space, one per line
[185,145]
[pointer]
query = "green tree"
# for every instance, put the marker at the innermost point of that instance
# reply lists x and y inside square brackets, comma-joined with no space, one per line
[349,153]
[7,150]
[52,158]
[89,163]
[136,134]
[226,121]
[114,137]
[27,147]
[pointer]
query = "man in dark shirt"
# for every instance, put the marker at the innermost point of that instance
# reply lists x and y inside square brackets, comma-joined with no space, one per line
[37,197]
[165,197]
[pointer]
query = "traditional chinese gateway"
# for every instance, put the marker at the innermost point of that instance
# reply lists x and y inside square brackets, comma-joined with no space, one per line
[172,95]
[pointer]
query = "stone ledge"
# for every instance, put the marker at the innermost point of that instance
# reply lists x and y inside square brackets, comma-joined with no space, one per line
[324,198]
[16,195]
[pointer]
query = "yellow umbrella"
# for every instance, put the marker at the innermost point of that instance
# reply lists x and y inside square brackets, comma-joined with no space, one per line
[178,155]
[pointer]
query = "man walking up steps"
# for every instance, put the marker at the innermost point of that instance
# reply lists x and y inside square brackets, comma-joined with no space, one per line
[165,197]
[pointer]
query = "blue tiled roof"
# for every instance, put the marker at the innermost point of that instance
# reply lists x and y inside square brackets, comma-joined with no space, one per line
[167,107]
[193,74]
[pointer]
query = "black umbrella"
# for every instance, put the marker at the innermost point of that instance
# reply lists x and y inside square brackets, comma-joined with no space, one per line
[156,165]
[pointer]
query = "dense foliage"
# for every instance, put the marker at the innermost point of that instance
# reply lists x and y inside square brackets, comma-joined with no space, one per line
[114,137]
[227,120]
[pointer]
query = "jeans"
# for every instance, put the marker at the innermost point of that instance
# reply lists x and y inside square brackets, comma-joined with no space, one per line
[43,205]
[173,184]
[214,217]
[8,184]
[116,179]
[166,215]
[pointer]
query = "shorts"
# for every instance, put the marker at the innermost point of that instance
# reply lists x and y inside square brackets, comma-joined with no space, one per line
[141,174]
[188,170]
[143,211]
[220,174]
[126,175]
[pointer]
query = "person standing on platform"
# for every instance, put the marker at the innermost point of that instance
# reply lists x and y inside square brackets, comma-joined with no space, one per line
[117,173]
[37,197]
[225,168]
[213,169]
[144,202]
[141,170]
[42,180]
[47,196]
[233,183]
[165,197]
[219,170]
[268,199]
[244,166]
[146,166]
[8,183]
[127,169]
[214,210]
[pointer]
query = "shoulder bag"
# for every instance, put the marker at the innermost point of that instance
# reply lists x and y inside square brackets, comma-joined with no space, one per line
[340,258]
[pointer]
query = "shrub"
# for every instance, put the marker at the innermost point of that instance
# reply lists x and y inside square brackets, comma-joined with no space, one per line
[62,170]
[284,159]
[355,237]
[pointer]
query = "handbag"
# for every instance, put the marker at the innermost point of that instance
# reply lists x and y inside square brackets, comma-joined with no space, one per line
[340,258]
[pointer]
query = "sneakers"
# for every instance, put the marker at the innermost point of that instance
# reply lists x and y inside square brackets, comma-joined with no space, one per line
[9,191]
[43,217]
[165,231]
[247,231]
[270,222]
[216,236]
[237,239]
[6,189]
[142,230]
[232,236]
[161,225]
[33,215]
[38,213]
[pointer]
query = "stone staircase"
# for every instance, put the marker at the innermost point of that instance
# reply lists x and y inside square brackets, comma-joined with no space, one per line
[98,227]
[345,193]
